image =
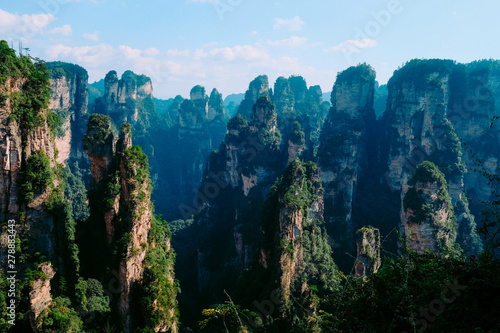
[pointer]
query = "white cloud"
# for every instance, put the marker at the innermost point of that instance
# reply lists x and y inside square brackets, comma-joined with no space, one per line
[176,71]
[177,53]
[294,24]
[292,42]
[65,30]
[24,25]
[353,45]
[240,52]
[129,52]
[151,52]
[253,33]
[92,36]
[86,56]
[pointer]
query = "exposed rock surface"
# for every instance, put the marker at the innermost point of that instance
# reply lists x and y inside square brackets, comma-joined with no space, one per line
[237,177]
[69,99]
[428,220]
[368,248]
[294,254]
[120,180]
[422,100]
[342,155]
[40,297]
[300,115]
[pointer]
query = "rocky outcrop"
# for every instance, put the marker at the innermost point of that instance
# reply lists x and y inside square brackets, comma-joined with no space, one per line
[368,249]
[257,88]
[32,186]
[11,150]
[69,99]
[473,104]
[342,154]
[199,129]
[126,99]
[237,177]
[428,218]
[422,98]
[27,156]
[120,201]
[294,254]
[296,104]
[40,297]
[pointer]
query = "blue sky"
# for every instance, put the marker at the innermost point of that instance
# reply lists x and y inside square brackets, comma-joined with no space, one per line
[226,43]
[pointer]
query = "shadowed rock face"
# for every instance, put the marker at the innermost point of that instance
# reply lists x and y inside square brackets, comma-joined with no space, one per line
[428,219]
[69,99]
[368,249]
[120,201]
[28,181]
[426,118]
[342,154]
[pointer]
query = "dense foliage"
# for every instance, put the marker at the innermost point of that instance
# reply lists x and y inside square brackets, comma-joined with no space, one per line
[36,176]
[158,287]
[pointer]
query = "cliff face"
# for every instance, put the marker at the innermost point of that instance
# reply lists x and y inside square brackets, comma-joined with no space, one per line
[237,178]
[473,104]
[428,218]
[69,99]
[199,129]
[24,146]
[422,100]
[257,88]
[368,251]
[123,98]
[120,201]
[40,297]
[342,153]
[293,253]
[300,115]
[32,183]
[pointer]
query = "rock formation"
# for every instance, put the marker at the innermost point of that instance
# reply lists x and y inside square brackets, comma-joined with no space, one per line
[428,218]
[237,177]
[419,128]
[121,208]
[296,104]
[69,99]
[31,181]
[199,129]
[342,154]
[368,249]
[40,297]
[257,88]
[294,257]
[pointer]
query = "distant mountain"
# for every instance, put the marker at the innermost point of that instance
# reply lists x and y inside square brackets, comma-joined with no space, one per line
[231,103]
[96,90]
[326,96]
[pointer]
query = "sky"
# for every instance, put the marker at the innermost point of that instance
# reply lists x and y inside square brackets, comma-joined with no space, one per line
[224,44]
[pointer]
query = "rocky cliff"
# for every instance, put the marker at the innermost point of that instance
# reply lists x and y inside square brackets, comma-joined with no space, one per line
[199,129]
[368,259]
[343,150]
[257,88]
[300,115]
[294,260]
[237,177]
[69,99]
[122,218]
[31,181]
[472,106]
[418,128]
[40,296]
[428,217]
